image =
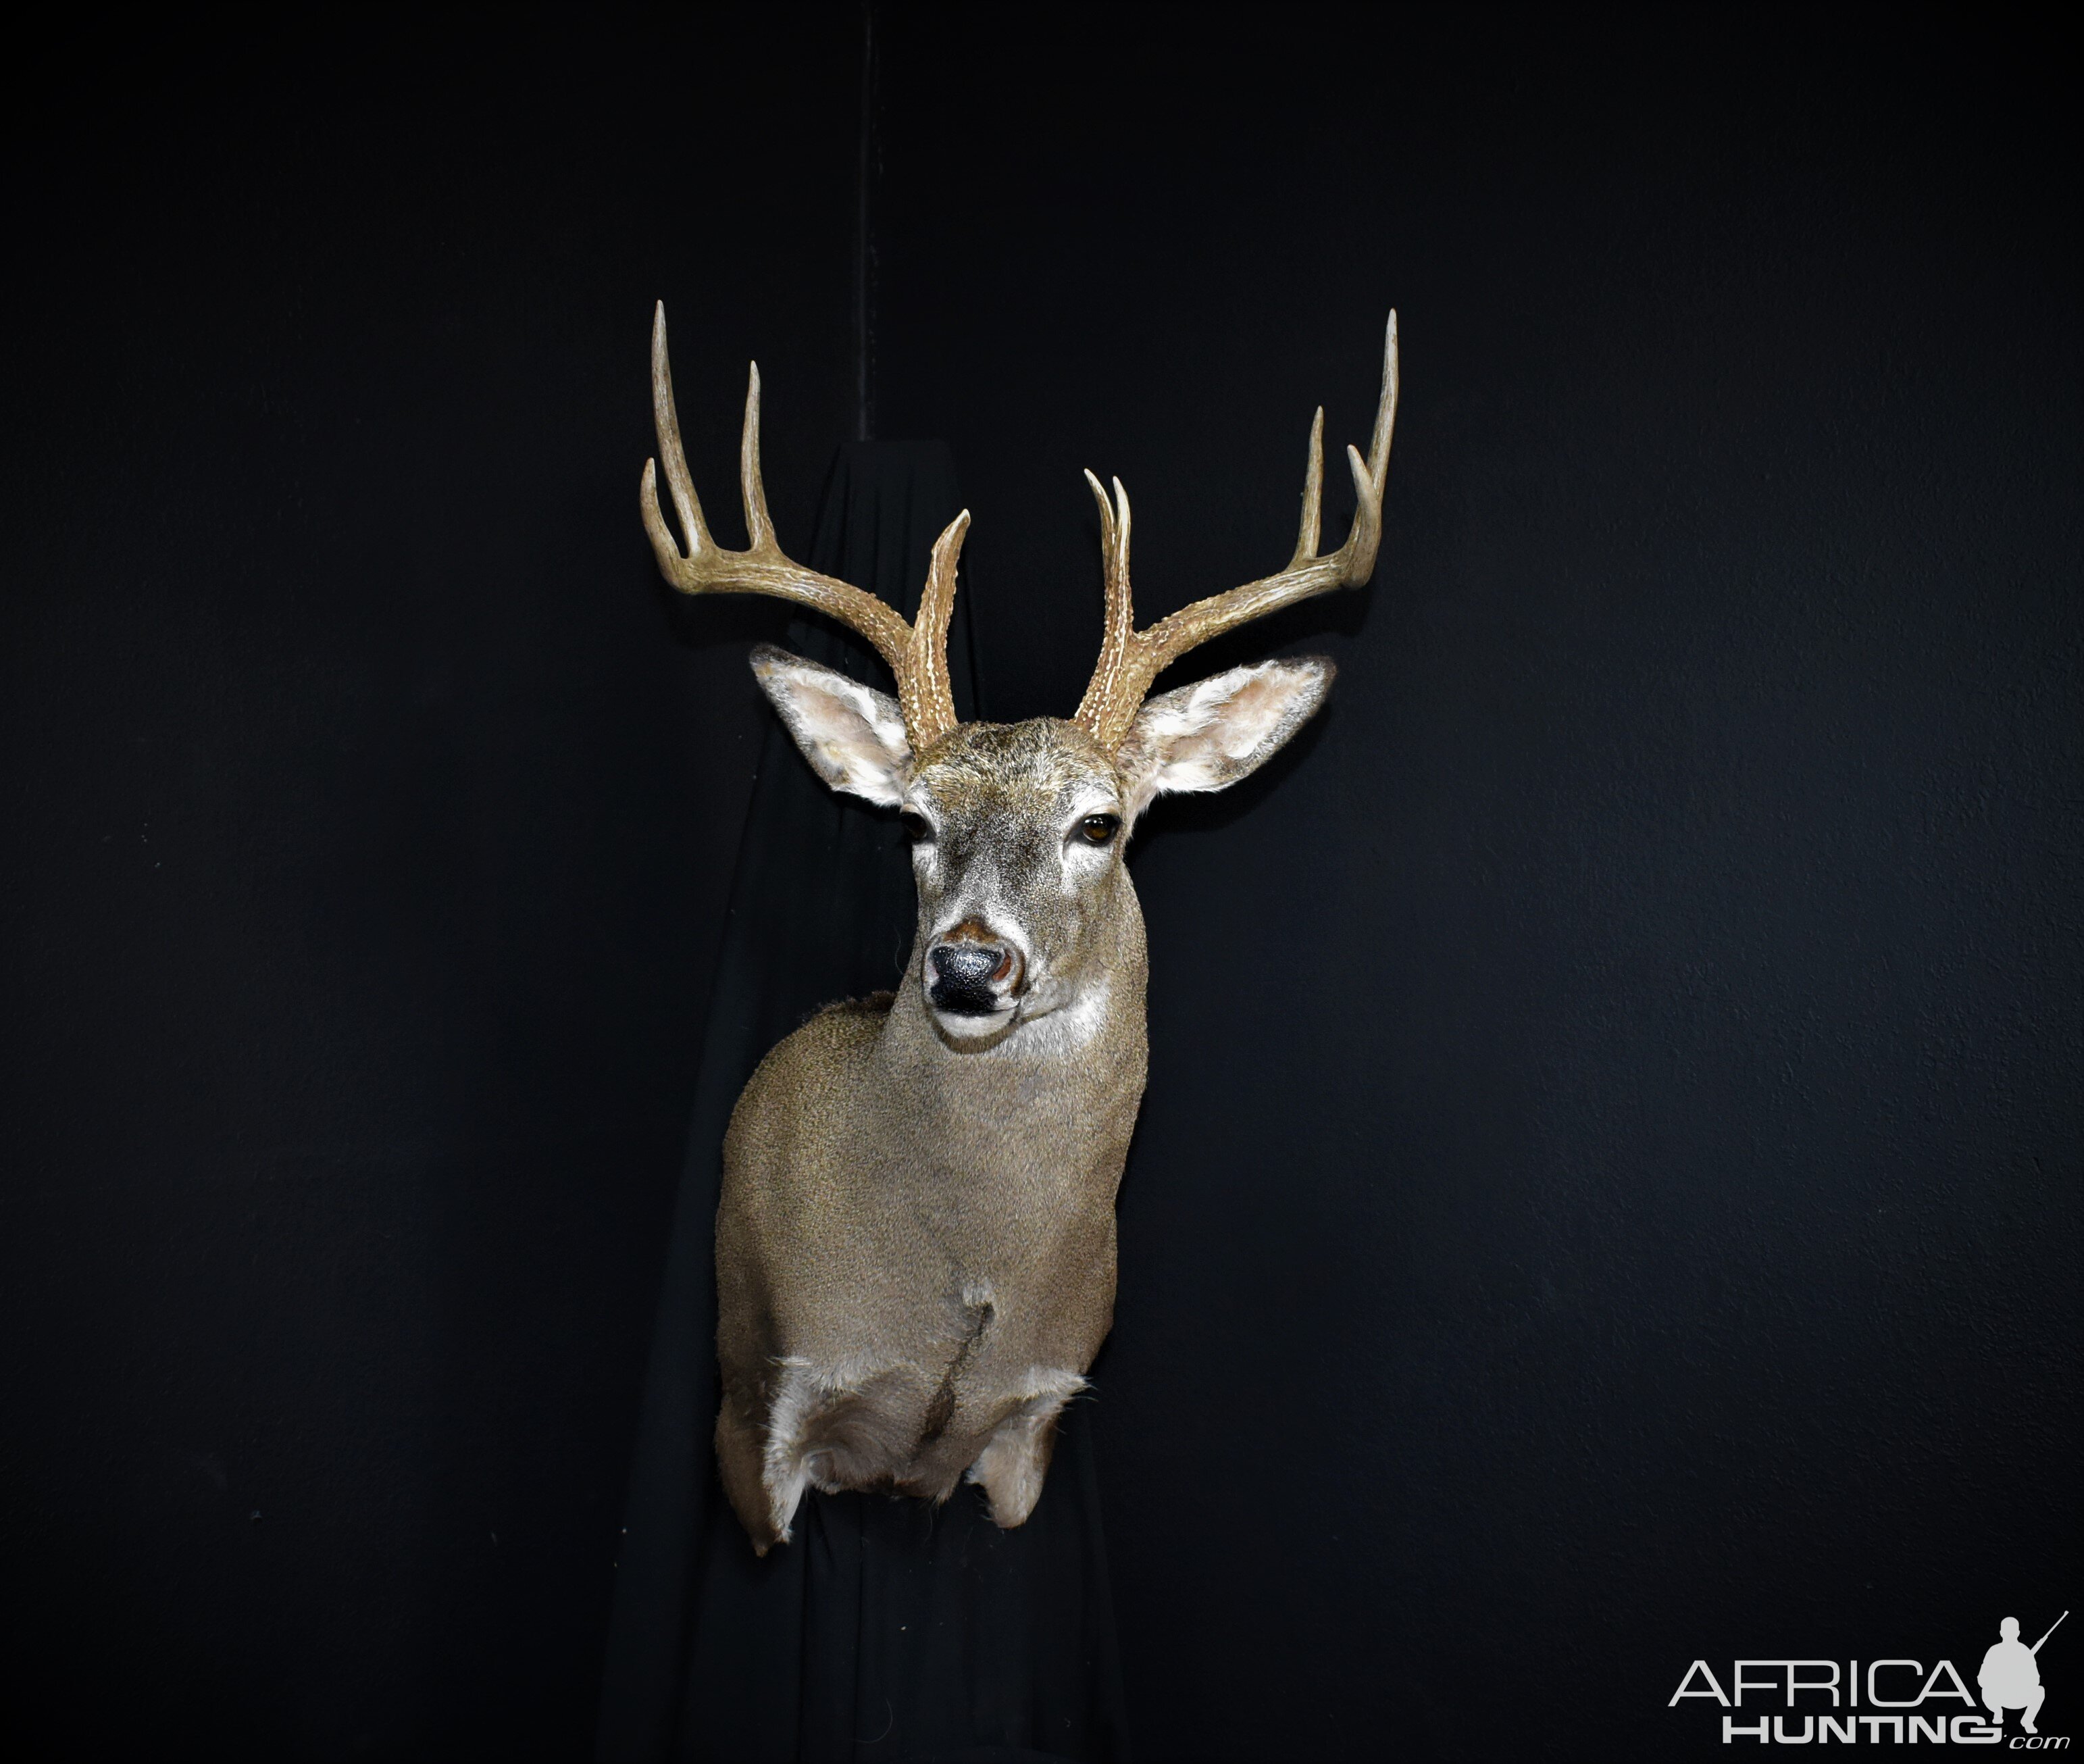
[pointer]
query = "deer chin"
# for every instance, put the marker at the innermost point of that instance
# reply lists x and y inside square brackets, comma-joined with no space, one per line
[973,1032]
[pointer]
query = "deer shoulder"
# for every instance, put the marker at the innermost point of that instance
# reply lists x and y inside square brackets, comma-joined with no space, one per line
[916,1236]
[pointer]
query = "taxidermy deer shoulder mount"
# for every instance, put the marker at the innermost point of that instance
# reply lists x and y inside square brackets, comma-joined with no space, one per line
[915,1246]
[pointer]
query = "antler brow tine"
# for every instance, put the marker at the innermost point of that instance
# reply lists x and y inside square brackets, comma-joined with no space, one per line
[758,527]
[1313,492]
[1131,660]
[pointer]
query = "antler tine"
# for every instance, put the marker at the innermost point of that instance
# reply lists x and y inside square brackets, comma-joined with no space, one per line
[1131,660]
[926,696]
[1359,549]
[666,422]
[759,526]
[1121,611]
[1118,621]
[917,656]
[1313,493]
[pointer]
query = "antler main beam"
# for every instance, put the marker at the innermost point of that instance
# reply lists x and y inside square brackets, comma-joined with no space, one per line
[1131,660]
[916,653]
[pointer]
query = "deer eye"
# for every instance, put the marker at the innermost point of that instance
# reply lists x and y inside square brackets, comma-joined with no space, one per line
[918,829]
[1098,829]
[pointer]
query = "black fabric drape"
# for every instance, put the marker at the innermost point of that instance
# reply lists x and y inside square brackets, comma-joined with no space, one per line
[888,1629]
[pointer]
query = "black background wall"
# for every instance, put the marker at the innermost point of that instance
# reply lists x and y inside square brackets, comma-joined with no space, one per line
[1607,1193]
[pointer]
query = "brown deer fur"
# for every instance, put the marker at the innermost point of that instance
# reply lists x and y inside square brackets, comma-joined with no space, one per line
[916,1241]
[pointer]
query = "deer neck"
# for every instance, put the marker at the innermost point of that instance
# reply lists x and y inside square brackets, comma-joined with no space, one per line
[1071,1077]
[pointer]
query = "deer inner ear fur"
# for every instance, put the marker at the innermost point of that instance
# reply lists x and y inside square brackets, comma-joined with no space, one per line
[1208,736]
[853,735]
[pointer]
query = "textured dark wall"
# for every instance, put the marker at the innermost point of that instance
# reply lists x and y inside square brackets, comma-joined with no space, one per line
[1608,1189]
[369,818]
[1607,1193]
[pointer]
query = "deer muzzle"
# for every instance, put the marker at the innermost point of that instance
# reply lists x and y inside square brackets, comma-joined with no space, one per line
[971,973]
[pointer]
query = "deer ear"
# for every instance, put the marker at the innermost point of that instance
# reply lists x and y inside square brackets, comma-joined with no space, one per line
[1208,736]
[853,735]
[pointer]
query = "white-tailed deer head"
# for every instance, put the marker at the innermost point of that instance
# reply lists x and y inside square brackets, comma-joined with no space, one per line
[915,1244]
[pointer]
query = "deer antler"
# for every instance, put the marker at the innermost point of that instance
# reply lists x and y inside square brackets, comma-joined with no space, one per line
[1130,659]
[917,653]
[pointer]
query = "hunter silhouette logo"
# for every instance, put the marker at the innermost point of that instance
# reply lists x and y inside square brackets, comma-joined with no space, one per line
[2011,1677]
[1882,1702]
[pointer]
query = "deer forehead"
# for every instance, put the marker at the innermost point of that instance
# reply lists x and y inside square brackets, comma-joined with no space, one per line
[1017,772]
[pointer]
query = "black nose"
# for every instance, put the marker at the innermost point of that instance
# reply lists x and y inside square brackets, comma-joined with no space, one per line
[962,974]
